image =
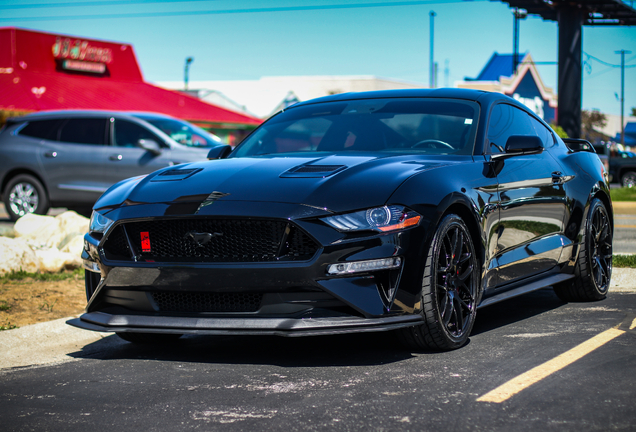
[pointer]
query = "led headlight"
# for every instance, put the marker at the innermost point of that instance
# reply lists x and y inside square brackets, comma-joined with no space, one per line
[99,223]
[381,219]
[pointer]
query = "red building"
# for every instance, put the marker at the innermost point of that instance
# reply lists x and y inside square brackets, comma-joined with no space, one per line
[43,71]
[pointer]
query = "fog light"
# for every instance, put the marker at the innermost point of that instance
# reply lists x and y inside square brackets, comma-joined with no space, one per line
[364,266]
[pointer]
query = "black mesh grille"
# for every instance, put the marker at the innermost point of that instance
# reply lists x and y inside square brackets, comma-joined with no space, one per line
[207,302]
[214,240]
[117,245]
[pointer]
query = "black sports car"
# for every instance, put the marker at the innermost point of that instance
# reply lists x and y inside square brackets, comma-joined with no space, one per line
[392,210]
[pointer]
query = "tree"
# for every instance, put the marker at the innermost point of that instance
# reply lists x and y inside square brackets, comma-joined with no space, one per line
[633,111]
[591,121]
[559,130]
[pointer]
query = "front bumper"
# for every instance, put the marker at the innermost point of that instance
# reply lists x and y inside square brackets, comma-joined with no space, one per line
[298,298]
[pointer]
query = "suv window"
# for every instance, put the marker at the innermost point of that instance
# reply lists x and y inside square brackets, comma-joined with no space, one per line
[43,129]
[84,131]
[128,134]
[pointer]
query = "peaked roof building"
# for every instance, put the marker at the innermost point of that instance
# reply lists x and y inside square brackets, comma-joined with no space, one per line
[524,84]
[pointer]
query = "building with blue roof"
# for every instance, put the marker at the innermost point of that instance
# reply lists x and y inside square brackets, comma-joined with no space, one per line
[524,84]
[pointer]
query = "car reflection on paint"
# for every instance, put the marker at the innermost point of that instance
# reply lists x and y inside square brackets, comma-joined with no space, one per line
[398,211]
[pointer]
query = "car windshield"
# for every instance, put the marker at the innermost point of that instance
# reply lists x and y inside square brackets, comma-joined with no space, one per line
[413,125]
[182,132]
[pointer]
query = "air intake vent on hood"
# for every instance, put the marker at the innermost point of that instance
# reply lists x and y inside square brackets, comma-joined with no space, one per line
[176,174]
[313,171]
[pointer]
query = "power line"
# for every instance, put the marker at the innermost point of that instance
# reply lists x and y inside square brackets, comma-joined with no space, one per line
[233,11]
[92,3]
[608,64]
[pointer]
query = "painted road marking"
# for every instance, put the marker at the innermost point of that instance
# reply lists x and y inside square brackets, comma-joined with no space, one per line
[624,226]
[525,380]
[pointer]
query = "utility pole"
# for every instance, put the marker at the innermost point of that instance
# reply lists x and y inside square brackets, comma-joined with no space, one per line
[187,71]
[431,79]
[622,53]
[518,14]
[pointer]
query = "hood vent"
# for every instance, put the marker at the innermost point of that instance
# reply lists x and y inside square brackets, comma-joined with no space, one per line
[175,174]
[313,171]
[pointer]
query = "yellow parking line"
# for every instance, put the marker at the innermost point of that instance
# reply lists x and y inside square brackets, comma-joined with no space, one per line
[525,380]
[625,226]
[633,326]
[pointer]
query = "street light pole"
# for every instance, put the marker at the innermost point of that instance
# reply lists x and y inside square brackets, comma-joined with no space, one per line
[518,14]
[187,71]
[431,78]
[622,53]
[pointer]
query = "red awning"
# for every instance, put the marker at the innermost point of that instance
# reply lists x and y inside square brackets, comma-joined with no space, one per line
[31,80]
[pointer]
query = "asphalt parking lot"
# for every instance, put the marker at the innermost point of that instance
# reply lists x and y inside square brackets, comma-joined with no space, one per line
[551,365]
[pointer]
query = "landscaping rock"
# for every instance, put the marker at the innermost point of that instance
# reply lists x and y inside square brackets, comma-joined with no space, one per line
[53,261]
[16,255]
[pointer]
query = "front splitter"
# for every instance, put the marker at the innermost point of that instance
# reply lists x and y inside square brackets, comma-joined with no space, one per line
[292,327]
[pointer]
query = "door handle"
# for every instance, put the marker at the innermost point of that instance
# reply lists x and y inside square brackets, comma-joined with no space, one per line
[558,177]
[116,157]
[50,154]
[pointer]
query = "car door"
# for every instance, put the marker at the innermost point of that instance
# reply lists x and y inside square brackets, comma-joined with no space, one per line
[127,159]
[532,200]
[71,160]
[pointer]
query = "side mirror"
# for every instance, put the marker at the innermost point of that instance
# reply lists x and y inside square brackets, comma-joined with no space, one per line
[219,152]
[150,146]
[518,145]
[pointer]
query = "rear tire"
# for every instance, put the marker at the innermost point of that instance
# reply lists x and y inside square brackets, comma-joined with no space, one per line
[149,338]
[593,270]
[25,194]
[450,290]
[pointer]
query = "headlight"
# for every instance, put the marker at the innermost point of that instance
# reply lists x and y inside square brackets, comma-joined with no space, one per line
[381,219]
[99,223]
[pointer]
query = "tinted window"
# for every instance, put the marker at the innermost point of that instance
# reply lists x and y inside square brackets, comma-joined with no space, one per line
[542,132]
[84,131]
[417,125]
[43,129]
[182,132]
[128,134]
[506,120]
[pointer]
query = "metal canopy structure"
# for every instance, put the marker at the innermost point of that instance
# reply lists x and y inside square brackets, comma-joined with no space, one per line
[571,16]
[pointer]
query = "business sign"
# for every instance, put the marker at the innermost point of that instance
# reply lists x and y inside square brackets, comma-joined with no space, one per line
[80,56]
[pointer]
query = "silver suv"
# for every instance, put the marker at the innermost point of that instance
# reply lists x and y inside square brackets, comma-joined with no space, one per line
[69,158]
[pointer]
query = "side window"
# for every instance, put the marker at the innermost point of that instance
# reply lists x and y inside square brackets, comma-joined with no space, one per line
[42,129]
[506,120]
[542,132]
[84,131]
[128,134]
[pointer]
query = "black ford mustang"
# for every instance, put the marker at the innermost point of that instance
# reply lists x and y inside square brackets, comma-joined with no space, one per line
[392,210]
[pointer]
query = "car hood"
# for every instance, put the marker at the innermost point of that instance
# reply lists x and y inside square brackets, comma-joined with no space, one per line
[333,183]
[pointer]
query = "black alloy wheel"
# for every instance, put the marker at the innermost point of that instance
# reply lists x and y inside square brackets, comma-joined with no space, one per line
[593,271]
[450,290]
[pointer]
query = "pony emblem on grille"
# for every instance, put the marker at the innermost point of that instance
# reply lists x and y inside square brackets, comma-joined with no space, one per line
[201,238]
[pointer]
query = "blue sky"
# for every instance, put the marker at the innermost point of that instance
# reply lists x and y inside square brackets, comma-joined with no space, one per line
[234,39]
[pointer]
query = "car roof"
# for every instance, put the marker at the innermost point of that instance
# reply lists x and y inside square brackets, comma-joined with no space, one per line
[483,97]
[50,114]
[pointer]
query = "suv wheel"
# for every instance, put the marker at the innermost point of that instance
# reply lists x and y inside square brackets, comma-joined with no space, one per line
[25,194]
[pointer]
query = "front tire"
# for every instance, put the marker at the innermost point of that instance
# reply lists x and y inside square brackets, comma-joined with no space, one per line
[593,270]
[25,194]
[450,290]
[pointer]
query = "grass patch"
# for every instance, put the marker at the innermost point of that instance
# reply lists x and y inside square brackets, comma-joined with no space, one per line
[623,194]
[628,261]
[4,306]
[7,326]
[43,277]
